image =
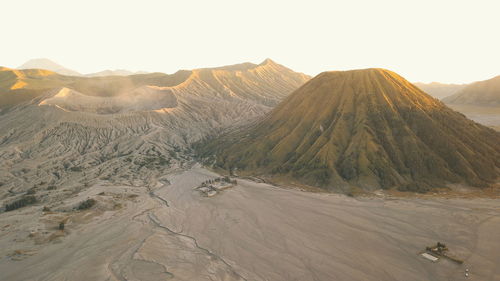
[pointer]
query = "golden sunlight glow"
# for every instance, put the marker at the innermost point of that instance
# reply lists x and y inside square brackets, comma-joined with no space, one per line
[18,85]
[446,41]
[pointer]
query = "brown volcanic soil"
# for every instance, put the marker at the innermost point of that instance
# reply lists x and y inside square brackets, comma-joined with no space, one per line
[252,231]
[367,128]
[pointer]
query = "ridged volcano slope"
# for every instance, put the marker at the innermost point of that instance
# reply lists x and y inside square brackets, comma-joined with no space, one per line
[368,128]
[125,129]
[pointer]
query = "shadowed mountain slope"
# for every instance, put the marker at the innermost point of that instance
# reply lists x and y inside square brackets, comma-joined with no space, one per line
[367,128]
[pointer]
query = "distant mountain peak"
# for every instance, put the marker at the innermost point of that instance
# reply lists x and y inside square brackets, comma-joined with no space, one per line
[47,64]
[44,63]
[116,72]
[267,61]
[40,61]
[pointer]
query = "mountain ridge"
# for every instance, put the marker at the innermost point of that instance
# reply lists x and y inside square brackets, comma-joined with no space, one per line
[123,129]
[440,90]
[483,93]
[363,128]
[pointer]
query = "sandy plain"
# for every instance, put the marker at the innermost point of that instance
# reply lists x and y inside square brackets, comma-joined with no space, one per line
[253,231]
[485,115]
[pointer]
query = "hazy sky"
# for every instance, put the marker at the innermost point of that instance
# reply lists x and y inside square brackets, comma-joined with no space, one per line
[425,40]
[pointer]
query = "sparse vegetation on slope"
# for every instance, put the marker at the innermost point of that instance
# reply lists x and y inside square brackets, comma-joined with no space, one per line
[87,204]
[367,128]
[22,202]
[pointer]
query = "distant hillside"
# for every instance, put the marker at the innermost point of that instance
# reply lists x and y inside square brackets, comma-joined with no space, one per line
[47,64]
[117,72]
[364,129]
[67,130]
[17,86]
[485,93]
[440,90]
